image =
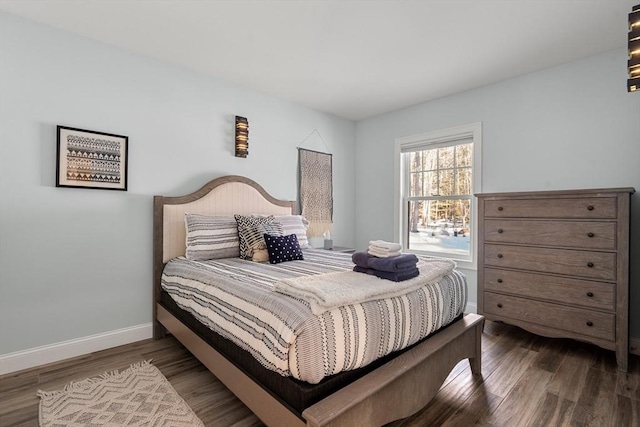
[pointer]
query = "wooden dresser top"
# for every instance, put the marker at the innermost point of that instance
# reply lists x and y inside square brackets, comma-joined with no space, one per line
[545,193]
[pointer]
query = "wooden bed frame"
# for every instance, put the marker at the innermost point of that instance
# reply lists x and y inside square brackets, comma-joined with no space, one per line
[395,390]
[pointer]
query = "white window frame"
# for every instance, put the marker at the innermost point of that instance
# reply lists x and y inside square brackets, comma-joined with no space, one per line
[444,137]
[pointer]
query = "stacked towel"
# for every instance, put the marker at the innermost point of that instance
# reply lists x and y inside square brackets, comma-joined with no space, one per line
[383,254]
[396,277]
[385,246]
[397,268]
[394,264]
[383,249]
[361,259]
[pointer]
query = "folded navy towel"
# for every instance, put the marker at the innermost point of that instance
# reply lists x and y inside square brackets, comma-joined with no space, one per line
[361,258]
[396,277]
[359,269]
[396,264]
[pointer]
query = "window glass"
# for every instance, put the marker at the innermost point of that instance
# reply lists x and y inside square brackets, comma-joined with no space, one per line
[463,181]
[440,226]
[446,184]
[464,155]
[416,184]
[445,157]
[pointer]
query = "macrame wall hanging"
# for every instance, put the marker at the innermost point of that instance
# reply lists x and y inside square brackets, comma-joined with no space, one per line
[316,189]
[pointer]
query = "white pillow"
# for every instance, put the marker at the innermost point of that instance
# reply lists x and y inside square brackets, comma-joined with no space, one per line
[295,224]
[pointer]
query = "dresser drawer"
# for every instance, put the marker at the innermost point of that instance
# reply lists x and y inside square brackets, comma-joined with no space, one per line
[579,234]
[581,321]
[564,290]
[590,265]
[590,207]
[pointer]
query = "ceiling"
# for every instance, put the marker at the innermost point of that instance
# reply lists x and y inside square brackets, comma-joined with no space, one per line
[354,59]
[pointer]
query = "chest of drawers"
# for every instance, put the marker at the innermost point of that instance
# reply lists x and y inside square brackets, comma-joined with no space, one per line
[556,263]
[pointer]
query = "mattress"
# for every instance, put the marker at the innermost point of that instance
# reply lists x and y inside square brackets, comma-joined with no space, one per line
[235,299]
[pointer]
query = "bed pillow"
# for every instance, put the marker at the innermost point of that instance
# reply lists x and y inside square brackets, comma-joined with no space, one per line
[211,237]
[283,248]
[251,229]
[260,255]
[295,224]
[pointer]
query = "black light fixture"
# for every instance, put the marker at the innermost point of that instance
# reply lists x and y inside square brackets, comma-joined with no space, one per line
[242,136]
[633,84]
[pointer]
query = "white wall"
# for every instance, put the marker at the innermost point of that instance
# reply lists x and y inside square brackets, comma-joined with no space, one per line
[77,262]
[568,127]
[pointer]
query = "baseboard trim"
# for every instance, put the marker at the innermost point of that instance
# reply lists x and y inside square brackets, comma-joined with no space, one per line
[37,356]
[472,307]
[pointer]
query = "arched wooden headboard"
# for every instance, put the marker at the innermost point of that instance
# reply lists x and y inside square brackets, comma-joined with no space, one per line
[222,196]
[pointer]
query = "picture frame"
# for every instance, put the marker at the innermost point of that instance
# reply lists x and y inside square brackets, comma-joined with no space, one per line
[91,159]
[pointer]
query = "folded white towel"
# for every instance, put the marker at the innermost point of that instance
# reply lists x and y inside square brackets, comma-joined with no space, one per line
[381,254]
[385,246]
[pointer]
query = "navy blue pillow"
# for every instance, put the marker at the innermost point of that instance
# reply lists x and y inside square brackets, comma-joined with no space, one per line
[283,248]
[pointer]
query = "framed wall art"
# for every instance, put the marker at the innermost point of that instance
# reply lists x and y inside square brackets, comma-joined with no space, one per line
[89,159]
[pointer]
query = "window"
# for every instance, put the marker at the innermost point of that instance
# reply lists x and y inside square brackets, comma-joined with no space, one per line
[437,175]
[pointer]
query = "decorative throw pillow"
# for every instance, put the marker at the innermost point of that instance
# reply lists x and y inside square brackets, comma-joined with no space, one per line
[260,255]
[255,239]
[250,231]
[295,224]
[211,237]
[283,248]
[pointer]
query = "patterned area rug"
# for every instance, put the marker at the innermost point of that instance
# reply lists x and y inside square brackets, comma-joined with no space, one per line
[138,396]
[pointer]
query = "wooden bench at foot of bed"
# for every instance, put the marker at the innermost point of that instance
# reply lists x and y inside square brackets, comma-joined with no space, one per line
[396,390]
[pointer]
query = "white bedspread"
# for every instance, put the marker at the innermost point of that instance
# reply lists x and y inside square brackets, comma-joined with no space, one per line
[327,291]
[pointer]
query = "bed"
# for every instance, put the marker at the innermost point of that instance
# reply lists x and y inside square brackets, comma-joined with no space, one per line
[390,388]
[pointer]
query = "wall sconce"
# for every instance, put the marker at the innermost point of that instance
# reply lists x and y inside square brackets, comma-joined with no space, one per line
[633,84]
[242,136]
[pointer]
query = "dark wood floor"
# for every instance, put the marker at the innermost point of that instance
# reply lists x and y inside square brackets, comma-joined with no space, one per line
[528,381]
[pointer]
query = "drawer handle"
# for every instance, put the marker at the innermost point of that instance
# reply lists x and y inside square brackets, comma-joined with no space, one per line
[590,208]
[500,230]
[590,234]
[499,305]
[499,280]
[590,294]
[499,255]
[590,264]
[589,323]
[500,208]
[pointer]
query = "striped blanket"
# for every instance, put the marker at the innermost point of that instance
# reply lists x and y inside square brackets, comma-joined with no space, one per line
[236,299]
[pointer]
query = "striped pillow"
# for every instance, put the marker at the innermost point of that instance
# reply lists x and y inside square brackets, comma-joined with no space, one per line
[251,229]
[295,224]
[211,237]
